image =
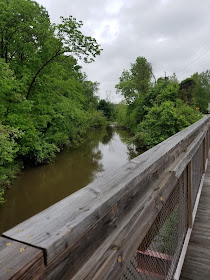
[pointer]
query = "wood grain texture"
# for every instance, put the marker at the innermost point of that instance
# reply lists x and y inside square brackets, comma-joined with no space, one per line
[197,261]
[19,261]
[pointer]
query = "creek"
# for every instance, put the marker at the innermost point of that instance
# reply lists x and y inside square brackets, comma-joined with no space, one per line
[37,188]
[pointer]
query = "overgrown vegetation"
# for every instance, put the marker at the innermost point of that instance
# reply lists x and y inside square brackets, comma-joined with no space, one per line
[46,102]
[155,110]
[107,108]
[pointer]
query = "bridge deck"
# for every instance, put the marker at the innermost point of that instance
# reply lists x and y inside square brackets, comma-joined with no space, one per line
[197,261]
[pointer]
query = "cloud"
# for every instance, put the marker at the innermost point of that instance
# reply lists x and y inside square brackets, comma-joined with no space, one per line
[107,31]
[172,34]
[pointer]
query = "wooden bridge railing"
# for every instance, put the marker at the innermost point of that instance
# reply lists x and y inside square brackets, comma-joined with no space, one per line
[130,224]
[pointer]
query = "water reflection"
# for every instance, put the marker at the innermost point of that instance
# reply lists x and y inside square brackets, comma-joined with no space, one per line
[39,187]
[108,135]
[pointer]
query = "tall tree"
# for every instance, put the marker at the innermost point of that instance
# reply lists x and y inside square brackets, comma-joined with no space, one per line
[23,28]
[70,41]
[30,43]
[46,102]
[202,90]
[186,90]
[136,81]
[107,108]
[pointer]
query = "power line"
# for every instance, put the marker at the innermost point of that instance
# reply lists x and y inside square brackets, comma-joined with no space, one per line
[203,53]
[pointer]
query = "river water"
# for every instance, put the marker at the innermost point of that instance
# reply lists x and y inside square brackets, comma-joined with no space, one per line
[39,187]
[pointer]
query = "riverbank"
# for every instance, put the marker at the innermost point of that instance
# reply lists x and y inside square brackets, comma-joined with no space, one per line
[37,188]
[12,163]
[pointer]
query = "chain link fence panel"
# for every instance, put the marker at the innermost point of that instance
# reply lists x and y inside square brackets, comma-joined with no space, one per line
[158,254]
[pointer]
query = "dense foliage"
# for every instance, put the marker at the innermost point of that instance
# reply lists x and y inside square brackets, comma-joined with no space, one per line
[46,102]
[202,90]
[107,108]
[135,82]
[155,111]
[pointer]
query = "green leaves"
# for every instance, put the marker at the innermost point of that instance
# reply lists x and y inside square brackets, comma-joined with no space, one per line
[8,145]
[74,42]
[20,23]
[163,120]
[107,108]
[154,112]
[135,82]
[46,102]
[202,90]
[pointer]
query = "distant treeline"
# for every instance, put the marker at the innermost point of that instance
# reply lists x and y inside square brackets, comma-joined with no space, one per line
[154,110]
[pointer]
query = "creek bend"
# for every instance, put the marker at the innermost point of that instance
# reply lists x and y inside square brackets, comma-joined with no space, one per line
[39,187]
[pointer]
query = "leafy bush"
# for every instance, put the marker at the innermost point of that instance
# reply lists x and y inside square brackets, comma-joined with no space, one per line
[121,114]
[164,120]
[155,112]
[9,149]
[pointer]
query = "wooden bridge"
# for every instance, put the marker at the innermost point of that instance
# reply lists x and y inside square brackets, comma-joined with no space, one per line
[133,223]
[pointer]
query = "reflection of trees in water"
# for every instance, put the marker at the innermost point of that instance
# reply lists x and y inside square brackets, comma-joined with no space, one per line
[108,135]
[132,152]
[98,167]
[76,168]
[125,137]
[87,158]
[72,170]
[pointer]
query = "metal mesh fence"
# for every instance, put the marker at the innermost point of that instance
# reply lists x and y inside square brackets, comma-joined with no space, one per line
[207,142]
[197,172]
[158,254]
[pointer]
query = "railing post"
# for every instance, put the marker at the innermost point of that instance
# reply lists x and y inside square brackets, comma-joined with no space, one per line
[204,154]
[190,210]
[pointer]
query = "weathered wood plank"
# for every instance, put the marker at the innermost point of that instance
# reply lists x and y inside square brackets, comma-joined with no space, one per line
[202,225]
[197,262]
[192,148]
[196,271]
[19,261]
[199,252]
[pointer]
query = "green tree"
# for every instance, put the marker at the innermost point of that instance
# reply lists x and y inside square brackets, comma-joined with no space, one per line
[186,91]
[70,41]
[121,114]
[8,151]
[46,101]
[202,90]
[107,108]
[30,43]
[23,26]
[155,111]
[136,81]
[163,120]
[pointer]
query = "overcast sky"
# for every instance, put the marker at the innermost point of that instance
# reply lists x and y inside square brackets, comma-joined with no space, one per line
[173,35]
